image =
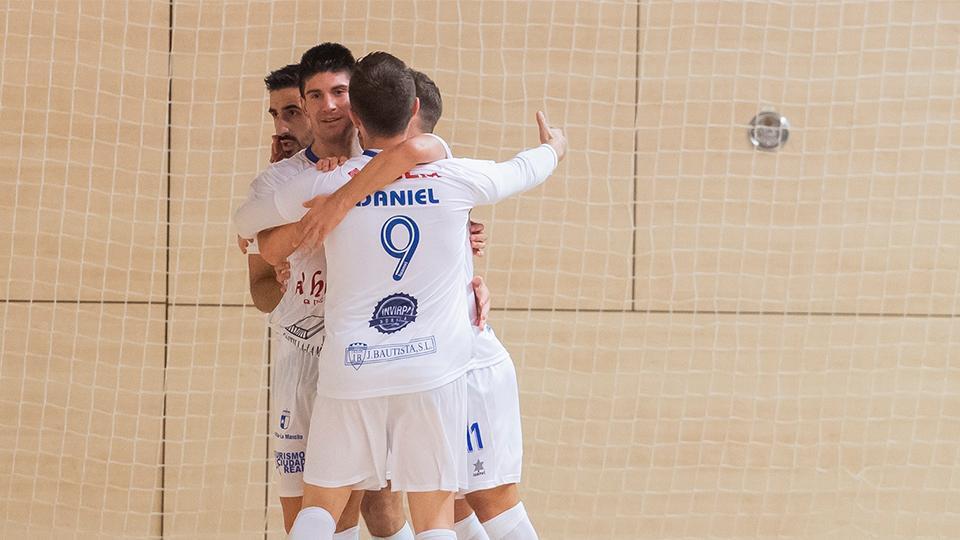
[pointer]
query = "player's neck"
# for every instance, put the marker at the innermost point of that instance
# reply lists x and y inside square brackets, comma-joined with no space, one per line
[340,146]
[380,143]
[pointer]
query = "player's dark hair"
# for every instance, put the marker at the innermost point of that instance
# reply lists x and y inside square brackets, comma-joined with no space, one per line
[431,104]
[382,93]
[286,77]
[325,57]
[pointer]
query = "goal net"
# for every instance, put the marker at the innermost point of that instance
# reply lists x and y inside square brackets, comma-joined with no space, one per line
[712,340]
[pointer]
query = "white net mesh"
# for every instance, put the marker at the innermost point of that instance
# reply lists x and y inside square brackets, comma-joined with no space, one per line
[712,341]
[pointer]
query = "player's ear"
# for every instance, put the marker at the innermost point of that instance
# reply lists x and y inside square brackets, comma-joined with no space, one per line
[355,119]
[416,107]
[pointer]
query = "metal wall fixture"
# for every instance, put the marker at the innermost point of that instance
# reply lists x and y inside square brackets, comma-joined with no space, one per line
[768,130]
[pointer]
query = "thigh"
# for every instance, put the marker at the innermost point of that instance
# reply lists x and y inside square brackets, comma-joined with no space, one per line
[494,439]
[347,444]
[426,431]
[293,391]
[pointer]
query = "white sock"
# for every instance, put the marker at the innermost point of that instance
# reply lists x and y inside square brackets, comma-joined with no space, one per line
[349,534]
[437,534]
[405,533]
[512,524]
[312,523]
[469,528]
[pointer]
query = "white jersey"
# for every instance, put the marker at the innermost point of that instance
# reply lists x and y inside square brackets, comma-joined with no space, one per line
[298,318]
[487,349]
[398,322]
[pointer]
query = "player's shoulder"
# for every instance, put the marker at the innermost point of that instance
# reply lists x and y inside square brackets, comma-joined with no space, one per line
[277,173]
[350,167]
[458,168]
[288,167]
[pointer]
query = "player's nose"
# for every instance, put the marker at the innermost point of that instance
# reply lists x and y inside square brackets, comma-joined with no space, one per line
[329,104]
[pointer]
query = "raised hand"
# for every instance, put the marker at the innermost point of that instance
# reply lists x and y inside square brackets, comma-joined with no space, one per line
[552,136]
[276,149]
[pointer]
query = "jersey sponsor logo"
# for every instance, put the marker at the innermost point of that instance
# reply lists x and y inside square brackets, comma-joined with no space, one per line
[358,354]
[394,313]
[315,296]
[285,419]
[289,462]
[412,176]
[311,348]
[401,197]
[306,327]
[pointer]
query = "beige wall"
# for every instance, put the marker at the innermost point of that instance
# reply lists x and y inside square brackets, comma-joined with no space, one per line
[712,341]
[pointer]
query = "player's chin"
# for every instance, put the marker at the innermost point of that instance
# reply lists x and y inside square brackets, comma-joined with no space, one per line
[336,125]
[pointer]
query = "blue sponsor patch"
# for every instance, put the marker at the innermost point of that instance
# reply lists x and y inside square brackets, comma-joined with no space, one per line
[289,462]
[394,313]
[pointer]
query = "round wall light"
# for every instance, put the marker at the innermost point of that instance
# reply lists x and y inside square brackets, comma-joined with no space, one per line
[768,130]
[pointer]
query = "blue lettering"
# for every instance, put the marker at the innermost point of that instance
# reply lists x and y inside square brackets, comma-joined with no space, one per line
[408,197]
[475,429]
[398,198]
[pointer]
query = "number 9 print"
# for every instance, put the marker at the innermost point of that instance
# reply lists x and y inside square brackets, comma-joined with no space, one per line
[402,254]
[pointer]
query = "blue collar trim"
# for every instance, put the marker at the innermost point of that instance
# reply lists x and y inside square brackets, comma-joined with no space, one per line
[311,156]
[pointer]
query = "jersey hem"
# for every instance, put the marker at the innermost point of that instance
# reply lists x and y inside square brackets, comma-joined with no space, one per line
[398,391]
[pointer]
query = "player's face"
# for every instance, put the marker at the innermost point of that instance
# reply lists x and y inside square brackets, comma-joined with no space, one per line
[290,123]
[327,102]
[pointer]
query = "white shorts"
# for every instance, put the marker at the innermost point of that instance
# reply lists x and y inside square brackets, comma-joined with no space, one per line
[494,448]
[294,388]
[418,437]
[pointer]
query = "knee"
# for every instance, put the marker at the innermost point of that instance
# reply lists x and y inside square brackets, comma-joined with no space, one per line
[490,503]
[382,512]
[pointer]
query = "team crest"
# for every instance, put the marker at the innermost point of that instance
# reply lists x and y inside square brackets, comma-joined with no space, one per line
[356,353]
[394,313]
[285,419]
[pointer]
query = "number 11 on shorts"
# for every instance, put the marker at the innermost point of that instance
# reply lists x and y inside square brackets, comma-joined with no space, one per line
[473,433]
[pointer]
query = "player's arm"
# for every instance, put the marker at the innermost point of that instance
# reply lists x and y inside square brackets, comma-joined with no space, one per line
[492,182]
[326,212]
[526,170]
[278,243]
[265,289]
[285,205]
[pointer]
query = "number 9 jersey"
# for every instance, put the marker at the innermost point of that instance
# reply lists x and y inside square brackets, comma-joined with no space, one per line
[397,316]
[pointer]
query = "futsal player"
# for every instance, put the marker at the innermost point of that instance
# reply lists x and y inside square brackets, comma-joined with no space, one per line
[424,392]
[494,445]
[299,317]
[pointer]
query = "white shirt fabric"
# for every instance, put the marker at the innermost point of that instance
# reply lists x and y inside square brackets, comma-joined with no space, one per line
[487,348]
[298,317]
[398,284]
